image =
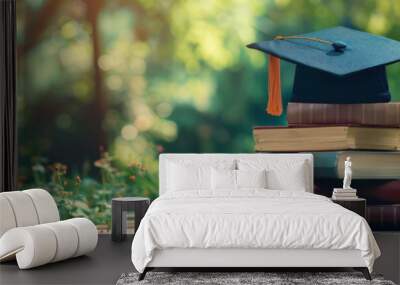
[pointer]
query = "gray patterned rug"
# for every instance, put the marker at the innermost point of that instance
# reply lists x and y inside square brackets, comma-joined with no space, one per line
[269,278]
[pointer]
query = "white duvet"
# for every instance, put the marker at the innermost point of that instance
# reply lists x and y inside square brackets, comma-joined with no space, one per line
[250,219]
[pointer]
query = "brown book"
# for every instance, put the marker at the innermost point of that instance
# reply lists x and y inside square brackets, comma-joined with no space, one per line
[311,138]
[374,114]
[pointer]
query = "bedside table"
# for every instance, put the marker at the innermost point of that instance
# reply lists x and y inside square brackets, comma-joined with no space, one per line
[120,206]
[357,205]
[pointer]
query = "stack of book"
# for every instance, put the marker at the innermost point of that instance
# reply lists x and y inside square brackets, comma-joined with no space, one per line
[368,133]
[344,194]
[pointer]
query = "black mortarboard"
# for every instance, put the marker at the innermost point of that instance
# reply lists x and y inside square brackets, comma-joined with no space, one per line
[337,65]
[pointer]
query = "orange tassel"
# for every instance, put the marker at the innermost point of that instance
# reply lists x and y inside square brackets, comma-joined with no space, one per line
[274,106]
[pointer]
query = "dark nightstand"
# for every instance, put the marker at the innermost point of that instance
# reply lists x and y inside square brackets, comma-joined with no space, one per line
[357,205]
[120,206]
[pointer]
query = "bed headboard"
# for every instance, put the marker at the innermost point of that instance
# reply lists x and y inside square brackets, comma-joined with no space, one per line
[287,157]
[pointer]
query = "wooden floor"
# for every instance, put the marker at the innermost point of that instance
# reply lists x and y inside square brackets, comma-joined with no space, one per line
[111,259]
[103,266]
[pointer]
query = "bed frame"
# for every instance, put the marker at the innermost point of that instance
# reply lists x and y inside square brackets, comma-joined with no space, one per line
[242,259]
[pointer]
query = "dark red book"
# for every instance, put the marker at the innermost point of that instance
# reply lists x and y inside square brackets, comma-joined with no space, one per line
[375,114]
[376,192]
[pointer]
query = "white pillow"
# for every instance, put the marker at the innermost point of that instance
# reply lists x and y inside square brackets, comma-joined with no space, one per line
[228,179]
[193,174]
[223,179]
[291,174]
[251,178]
[181,177]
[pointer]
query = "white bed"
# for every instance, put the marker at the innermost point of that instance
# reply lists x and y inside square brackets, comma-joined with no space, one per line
[281,224]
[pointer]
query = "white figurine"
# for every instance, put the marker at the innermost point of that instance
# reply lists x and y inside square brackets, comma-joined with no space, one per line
[347,173]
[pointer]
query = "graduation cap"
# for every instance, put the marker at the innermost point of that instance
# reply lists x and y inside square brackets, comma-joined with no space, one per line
[337,65]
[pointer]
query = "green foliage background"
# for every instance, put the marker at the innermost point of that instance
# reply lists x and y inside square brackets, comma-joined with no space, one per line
[119,81]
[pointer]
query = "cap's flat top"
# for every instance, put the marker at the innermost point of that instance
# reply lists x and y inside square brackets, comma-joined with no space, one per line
[363,50]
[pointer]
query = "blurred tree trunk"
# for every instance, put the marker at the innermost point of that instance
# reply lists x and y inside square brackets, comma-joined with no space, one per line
[97,115]
[37,24]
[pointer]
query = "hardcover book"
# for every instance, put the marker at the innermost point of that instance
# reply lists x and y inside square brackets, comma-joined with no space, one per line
[374,114]
[336,197]
[376,192]
[317,138]
[337,194]
[366,164]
